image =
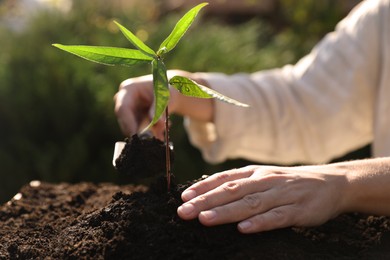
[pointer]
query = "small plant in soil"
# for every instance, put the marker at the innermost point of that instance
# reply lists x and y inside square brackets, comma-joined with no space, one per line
[145,54]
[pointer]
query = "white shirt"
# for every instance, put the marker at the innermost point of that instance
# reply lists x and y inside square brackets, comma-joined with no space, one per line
[334,100]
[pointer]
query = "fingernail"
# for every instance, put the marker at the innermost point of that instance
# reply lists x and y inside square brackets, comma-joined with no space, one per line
[186,209]
[245,225]
[188,195]
[209,215]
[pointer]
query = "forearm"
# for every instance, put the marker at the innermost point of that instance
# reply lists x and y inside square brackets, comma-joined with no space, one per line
[368,186]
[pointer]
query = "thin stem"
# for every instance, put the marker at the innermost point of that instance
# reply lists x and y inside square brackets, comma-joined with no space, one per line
[167,150]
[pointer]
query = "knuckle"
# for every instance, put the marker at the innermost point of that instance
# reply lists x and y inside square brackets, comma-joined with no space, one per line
[124,84]
[119,102]
[274,219]
[252,201]
[222,177]
[268,172]
[281,217]
[204,201]
[231,188]
[249,168]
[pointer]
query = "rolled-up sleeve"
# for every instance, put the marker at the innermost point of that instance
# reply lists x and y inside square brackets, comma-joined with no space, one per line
[310,112]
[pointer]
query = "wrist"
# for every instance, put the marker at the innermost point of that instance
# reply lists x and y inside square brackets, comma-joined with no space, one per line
[176,99]
[348,193]
[196,108]
[367,188]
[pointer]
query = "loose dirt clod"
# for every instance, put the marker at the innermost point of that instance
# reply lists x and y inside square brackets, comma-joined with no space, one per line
[142,157]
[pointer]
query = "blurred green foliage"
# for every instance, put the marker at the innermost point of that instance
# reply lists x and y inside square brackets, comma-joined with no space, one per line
[56,110]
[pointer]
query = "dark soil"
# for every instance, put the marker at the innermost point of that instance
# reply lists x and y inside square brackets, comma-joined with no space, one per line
[107,221]
[142,157]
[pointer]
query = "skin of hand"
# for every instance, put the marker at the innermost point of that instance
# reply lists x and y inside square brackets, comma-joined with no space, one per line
[262,198]
[134,106]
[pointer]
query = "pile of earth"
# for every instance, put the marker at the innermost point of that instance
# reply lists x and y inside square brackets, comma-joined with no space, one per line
[107,221]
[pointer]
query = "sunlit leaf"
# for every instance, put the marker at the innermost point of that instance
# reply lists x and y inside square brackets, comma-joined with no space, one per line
[190,88]
[181,27]
[107,55]
[136,41]
[161,90]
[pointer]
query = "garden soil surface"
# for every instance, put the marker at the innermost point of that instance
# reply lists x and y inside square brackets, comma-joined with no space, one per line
[107,221]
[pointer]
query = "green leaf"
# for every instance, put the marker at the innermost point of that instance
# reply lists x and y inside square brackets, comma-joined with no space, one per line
[190,88]
[161,90]
[140,45]
[181,27]
[107,55]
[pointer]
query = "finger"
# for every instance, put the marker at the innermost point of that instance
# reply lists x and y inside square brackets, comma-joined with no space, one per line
[227,193]
[236,201]
[158,130]
[125,116]
[132,103]
[244,208]
[280,217]
[214,181]
[127,127]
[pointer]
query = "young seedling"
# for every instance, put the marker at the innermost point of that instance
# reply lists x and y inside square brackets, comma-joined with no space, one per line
[144,54]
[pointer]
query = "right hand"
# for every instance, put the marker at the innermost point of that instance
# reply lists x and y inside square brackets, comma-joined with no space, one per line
[262,198]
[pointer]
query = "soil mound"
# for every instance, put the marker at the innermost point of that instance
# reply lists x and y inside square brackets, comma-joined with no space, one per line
[106,221]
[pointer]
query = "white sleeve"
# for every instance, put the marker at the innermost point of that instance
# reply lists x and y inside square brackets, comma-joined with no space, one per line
[311,112]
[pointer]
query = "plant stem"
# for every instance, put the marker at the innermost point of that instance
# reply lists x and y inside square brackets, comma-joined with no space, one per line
[167,150]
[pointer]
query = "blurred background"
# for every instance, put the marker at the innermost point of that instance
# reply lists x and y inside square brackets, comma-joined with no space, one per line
[56,111]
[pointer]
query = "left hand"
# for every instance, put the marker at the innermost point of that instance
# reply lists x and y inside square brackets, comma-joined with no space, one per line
[263,198]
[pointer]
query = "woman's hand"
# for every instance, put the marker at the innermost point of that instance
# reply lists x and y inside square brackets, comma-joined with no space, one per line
[134,104]
[262,198]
